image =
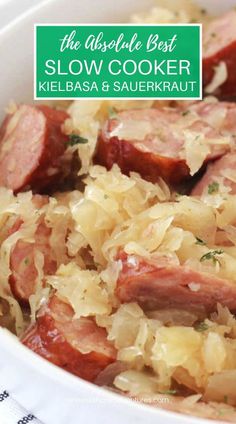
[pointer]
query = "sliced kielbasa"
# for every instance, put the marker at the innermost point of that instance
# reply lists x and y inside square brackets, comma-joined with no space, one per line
[219,45]
[159,284]
[151,142]
[77,345]
[219,115]
[221,172]
[22,263]
[24,274]
[31,147]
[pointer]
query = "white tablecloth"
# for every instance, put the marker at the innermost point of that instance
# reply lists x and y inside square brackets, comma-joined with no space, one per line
[12,413]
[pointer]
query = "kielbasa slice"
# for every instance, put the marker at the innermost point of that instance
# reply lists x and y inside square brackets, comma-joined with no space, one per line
[31,147]
[221,172]
[22,263]
[159,284]
[76,345]
[219,45]
[219,115]
[24,275]
[151,141]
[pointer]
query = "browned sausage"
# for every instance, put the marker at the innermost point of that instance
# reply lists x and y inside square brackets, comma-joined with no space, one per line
[79,346]
[219,115]
[219,45]
[223,171]
[22,259]
[160,284]
[150,142]
[22,263]
[31,146]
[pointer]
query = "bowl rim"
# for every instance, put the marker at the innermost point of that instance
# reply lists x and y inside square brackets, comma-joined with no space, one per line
[24,15]
[40,365]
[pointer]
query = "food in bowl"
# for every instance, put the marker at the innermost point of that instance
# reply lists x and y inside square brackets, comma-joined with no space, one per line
[118,236]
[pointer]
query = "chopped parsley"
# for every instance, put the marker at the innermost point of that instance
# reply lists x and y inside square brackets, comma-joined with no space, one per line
[112,112]
[169,392]
[202,326]
[185,113]
[200,242]
[213,188]
[222,412]
[26,261]
[76,139]
[211,256]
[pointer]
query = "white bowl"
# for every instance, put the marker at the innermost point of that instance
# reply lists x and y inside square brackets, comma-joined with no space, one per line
[53,395]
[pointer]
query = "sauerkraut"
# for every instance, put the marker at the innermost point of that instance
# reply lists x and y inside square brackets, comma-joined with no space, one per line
[119,212]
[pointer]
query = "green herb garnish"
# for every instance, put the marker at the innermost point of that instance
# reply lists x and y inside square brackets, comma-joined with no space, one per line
[26,261]
[186,112]
[213,188]
[222,412]
[76,139]
[226,399]
[211,256]
[112,112]
[200,242]
[169,392]
[202,326]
